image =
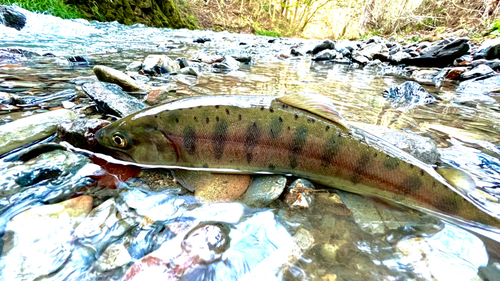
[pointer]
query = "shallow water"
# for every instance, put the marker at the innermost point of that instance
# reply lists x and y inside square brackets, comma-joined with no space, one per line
[368,241]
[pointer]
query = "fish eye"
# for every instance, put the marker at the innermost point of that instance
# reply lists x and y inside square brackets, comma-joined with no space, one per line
[119,140]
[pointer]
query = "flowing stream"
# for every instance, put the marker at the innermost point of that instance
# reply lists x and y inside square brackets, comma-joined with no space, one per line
[368,241]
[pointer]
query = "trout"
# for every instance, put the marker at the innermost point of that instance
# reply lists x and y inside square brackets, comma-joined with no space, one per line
[299,134]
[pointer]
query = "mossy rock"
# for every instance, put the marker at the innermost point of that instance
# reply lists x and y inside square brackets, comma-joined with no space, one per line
[155,13]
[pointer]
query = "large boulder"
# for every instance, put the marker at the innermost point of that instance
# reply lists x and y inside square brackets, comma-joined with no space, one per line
[440,55]
[12,18]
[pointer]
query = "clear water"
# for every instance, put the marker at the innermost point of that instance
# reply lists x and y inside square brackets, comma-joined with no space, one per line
[367,241]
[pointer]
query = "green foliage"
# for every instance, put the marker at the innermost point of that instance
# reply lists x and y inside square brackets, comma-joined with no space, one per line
[53,7]
[95,10]
[270,33]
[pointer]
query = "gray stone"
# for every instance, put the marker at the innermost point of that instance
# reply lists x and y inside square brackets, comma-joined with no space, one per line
[326,55]
[359,58]
[228,64]
[10,17]
[479,71]
[325,45]
[480,86]
[111,99]
[399,56]
[159,64]
[134,66]
[490,49]
[408,95]
[110,75]
[371,49]
[263,190]
[115,255]
[189,71]
[29,129]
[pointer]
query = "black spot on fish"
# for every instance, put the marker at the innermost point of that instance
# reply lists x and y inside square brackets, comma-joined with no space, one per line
[411,166]
[433,184]
[296,116]
[359,170]
[190,108]
[448,205]
[310,120]
[251,140]
[422,172]
[375,155]
[173,116]
[330,150]
[190,140]
[195,119]
[261,108]
[298,142]
[288,128]
[156,116]
[239,117]
[219,138]
[176,120]
[276,127]
[227,111]
[271,109]
[327,128]
[216,107]
[205,165]
[411,184]
[271,167]
[391,163]
[217,118]
[208,120]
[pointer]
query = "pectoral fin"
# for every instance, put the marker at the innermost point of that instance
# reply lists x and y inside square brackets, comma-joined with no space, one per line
[458,179]
[316,104]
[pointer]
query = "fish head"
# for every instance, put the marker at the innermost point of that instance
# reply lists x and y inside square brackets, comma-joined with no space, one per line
[140,143]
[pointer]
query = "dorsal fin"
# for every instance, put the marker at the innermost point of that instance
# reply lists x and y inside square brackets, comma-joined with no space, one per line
[458,179]
[317,104]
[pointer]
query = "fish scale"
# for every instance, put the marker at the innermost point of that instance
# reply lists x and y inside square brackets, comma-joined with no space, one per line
[267,135]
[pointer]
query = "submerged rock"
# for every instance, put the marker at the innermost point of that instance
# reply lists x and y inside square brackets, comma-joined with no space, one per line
[263,190]
[81,132]
[27,130]
[110,75]
[228,64]
[408,95]
[111,99]
[480,85]
[300,194]
[326,55]
[39,240]
[325,45]
[10,17]
[479,71]
[222,188]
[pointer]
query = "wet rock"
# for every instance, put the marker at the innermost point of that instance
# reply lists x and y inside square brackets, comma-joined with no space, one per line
[27,130]
[210,59]
[183,62]
[5,98]
[479,71]
[10,17]
[110,75]
[156,65]
[134,66]
[111,99]
[375,218]
[383,57]
[425,75]
[371,49]
[154,180]
[375,39]
[455,73]
[329,277]
[329,252]
[408,95]
[228,64]
[38,241]
[300,194]
[79,60]
[222,188]
[480,86]
[425,255]
[325,45]
[202,40]
[115,255]
[360,59]
[303,241]
[494,64]
[463,60]
[189,71]
[325,55]
[158,96]
[263,190]
[51,100]
[489,49]
[440,55]
[81,132]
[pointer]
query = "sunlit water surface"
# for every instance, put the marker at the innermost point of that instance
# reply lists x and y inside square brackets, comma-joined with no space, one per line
[467,135]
